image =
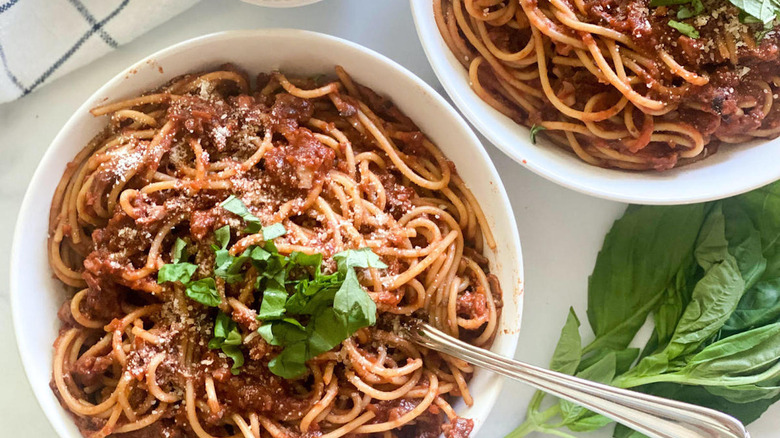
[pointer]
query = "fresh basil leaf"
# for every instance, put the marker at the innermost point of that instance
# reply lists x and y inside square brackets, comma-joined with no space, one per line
[235,354]
[763,208]
[273,231]
[717,294]
[223,325]
[626,432]
[274,298]
[715,356]
[746,18]
[275,268]
[283,332]
[602,371]
[744,242]
[215,343]
[222,236]
[697,7]
[229,267]
[334,305]
[294,322]
[181,272]
[233,338]
[205,292]
[676,298]
[641,256]
[589,422]
[237,207]
[301,304]
[535,130]
[760,305]
[744,393]
[568,351]
[763,10]
[311,260]
[358,258]
[223,259]
[291,362]
[714,298]
[267,332]
[259,254]
[329,329]
[351,300]
[228,338]
[738,359]
[623,359]
[684,28]
[179,252]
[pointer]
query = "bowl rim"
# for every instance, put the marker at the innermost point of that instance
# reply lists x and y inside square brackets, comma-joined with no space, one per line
[43,392]
[478,113]
[281,3]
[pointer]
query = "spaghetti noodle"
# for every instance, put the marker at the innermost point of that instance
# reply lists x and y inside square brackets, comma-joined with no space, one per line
[341,168]
[613,81]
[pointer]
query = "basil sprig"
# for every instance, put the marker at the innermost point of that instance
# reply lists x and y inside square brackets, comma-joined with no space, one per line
[707,277]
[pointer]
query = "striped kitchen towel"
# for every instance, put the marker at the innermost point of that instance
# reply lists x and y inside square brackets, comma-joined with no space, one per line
[41,40]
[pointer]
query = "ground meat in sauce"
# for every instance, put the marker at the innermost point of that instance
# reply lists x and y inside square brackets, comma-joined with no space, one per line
[297,167]
[472,304]
[89,370]
[458,428]
[257,390]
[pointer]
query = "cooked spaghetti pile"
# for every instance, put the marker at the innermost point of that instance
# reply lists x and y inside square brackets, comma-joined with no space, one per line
[637,84]
[240,254]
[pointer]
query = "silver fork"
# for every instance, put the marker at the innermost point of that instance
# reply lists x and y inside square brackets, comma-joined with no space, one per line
[653,416]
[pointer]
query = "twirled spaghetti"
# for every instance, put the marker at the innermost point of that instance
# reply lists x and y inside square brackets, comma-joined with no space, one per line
[613,82]
[341,168]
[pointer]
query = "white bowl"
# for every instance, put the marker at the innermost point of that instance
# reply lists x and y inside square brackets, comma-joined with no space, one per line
[734,169]
[281,3]
[36,295]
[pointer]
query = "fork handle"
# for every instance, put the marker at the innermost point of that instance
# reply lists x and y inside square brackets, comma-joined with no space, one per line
[653,416]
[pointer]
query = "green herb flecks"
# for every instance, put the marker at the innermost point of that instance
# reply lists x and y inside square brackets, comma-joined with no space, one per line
[228,338]
[695,8]
[178,270]
[684,28]
[536,129]
[204,291]
[253,224]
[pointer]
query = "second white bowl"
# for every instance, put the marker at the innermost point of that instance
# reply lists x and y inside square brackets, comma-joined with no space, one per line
[733,170]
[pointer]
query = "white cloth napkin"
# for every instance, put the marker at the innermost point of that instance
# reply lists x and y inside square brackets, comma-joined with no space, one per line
[41,40]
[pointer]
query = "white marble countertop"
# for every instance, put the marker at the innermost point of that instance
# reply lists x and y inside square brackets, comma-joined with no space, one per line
[560,230]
